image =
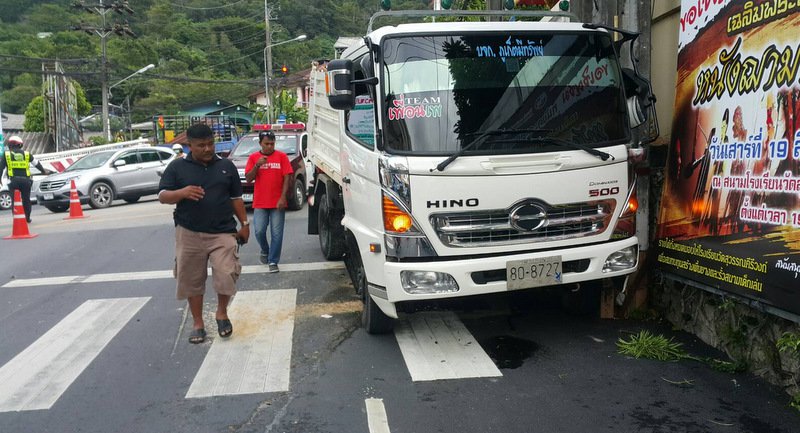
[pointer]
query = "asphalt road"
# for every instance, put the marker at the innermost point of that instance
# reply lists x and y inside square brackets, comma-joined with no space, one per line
[104,366]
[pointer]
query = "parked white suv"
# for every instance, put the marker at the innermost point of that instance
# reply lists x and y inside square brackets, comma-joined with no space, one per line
[104,176]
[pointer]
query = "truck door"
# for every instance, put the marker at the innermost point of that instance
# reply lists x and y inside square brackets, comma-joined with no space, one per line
[359,160]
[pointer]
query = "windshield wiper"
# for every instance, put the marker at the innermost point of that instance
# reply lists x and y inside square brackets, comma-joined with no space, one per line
[564,143]
[482,137]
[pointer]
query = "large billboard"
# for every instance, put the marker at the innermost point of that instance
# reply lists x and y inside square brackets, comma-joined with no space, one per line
[730,209]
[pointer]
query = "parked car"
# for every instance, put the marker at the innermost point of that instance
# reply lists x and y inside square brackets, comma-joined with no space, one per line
[5,195]
[105,176]
[290,139]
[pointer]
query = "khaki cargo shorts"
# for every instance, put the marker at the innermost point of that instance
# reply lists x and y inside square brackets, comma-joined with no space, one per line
[194,251]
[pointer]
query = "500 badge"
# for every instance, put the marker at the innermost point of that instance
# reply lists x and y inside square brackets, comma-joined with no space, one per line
[603,191]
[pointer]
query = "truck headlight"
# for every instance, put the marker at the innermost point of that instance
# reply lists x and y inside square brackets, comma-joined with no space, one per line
[621,260]
[427,282]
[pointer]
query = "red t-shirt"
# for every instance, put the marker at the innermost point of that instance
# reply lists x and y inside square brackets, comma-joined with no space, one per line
[269,178]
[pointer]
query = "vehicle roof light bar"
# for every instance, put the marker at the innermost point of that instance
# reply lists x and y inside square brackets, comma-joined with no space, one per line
[456,13]
[299,126]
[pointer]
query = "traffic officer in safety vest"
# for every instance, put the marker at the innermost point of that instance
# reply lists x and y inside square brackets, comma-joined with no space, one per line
[18,165]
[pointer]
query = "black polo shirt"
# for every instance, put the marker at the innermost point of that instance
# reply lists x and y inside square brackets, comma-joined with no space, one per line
[220,180]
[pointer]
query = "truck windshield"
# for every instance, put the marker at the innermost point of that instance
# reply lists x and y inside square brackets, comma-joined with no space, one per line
[442,92]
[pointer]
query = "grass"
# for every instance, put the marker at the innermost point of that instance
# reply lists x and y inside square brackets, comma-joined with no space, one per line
[650,346]
[646,345]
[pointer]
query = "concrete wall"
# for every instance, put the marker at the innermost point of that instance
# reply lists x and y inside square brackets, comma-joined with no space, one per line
[666,15]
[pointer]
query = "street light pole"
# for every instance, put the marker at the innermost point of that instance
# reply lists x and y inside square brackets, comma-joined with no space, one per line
[107,94]
[268,68]
[267,61]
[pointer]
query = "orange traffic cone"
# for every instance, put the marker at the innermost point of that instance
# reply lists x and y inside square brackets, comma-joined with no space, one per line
[75,209]
[20,227]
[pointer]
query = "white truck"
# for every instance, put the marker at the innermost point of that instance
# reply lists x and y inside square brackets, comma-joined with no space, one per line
[466,158]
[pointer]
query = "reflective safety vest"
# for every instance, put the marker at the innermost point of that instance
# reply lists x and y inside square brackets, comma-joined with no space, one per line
[18,161]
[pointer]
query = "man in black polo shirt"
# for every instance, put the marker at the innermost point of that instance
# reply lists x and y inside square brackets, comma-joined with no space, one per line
[207,192]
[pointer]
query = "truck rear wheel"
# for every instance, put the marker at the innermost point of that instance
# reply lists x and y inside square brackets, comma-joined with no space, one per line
[331,234]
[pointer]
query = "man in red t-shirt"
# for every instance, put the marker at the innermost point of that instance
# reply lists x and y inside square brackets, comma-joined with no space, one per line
[272,173]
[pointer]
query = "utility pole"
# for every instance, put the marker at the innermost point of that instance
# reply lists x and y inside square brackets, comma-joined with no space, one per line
[267,62]
[104,31]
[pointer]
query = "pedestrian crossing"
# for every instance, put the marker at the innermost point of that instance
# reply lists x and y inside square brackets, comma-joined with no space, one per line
[262,347]
[256,359]
[37,377]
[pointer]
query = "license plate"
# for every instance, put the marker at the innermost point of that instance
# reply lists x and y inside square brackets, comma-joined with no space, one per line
[247,197]
[48,196]
[524,274]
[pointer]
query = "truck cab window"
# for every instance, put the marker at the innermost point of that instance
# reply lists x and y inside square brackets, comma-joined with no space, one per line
[360,120]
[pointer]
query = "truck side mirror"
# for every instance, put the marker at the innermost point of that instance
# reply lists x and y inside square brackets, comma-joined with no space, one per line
[641,104]
[339,86]
[304,149]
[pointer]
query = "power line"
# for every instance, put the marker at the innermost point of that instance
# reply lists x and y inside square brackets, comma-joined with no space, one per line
[254,35]
[43,59]
[202,80]
[205,68]
[207,8]
[39,71]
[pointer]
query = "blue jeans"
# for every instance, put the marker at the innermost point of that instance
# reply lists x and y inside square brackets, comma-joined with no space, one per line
[274,219]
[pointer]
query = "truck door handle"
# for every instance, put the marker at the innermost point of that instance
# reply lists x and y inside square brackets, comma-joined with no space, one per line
[346,179]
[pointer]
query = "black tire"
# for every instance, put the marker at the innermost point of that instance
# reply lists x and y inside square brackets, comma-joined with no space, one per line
[56,208]
[355,267]
[100,195]
[299,196]
[331,234]
[583,301]
[5,200]
[373,319]
[131,199]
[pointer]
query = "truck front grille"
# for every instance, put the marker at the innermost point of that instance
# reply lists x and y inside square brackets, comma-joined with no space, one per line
[494,227]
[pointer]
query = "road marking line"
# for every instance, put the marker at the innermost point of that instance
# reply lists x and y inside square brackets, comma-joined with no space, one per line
[377,420]
[437,345]
[37,376]
[158,275]
[257,357]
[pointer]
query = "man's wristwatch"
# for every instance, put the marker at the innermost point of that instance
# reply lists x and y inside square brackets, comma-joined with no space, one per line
[245,223]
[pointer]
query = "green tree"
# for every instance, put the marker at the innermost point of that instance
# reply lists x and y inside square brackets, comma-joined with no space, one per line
[34,115]
[84,107]
[285,103]
[18,98]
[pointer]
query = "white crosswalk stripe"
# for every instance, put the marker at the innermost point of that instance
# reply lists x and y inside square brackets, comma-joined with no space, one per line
[257,357]
[37,376]
[437,345]
[158,275]
[377,420]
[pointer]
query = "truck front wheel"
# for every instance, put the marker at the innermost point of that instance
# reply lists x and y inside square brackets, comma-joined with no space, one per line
[331,234]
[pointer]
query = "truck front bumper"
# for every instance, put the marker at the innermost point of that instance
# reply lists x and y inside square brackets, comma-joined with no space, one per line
[487,274]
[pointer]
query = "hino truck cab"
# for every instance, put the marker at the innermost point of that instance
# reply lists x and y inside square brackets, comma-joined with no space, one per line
[465,158]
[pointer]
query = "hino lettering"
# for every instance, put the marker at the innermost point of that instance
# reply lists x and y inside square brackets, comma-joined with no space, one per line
[470,202]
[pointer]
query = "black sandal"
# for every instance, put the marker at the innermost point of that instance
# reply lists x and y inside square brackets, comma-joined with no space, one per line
[224,327]
[197,336]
